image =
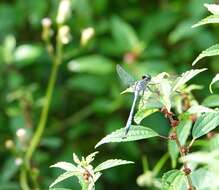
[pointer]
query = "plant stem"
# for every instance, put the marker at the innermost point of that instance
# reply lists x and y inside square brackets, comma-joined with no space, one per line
[185,164]
[183,151]
[23,179]
[44,115]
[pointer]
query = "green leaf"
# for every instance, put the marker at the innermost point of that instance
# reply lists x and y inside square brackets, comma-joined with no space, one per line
[63,177]
[211,51]
[65,166]
[165,93]
[204,124]
[125,37]
[143,113]
[183,131]
[58,189]
[136,132]
[172,180]
[94,64]
[27,54]
[208,20]
[185,77]
[111,163]
[212,8]
[202,177]
[214,80]
[90,157]
[199,109]
[211,101]
[9,168]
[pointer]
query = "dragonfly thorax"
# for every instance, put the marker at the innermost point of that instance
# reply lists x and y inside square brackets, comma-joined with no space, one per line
[141,84]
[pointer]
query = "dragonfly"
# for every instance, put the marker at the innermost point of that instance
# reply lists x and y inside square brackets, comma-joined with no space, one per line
[139,88]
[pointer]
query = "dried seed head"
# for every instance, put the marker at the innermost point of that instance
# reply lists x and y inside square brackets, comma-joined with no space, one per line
[174,123]
[184,150]
[172,136]
[187,171]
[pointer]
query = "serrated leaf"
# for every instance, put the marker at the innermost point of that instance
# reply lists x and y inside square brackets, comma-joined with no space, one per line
[185,77]
[211,101]
[172,180]
[199,109]
[135,133]
[143,113]
[111,163]
[165,94]
[204,124]
[211,51]
[208,20]
[213,8]
[65,166]
[93,64]
[91,157]
[63,177]
[202,177]
[183,131]
[214,80]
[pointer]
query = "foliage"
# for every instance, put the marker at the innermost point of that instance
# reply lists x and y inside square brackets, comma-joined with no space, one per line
[153,37]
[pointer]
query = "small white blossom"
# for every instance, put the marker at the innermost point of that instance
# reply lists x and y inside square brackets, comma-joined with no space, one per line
[86,35]
[46,22]
[9,144]
[21,133]
[64,11]
[18,161]
[64,34]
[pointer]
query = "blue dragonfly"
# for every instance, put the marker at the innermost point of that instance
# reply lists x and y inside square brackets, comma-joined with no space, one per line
[139,88]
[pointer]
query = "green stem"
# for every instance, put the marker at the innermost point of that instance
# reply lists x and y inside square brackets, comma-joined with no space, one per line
[23,179]
[44,115]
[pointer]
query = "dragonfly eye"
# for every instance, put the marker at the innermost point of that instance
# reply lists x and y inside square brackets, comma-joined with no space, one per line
[148,77]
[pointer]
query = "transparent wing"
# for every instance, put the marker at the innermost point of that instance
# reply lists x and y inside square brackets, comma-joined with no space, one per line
[126,78]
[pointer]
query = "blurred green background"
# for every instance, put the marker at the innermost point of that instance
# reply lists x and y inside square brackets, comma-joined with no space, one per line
[144,36]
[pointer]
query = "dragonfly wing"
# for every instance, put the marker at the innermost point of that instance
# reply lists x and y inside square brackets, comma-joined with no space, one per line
[126,78]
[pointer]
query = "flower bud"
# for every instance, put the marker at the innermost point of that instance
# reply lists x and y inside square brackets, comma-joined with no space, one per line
[64,34]
[9,144]
[47,31]
[18,161]
[46,22]
[64,11]
[86,35]
[21,134]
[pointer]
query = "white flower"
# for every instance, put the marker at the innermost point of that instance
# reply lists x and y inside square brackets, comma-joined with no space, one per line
[213,8]
[64,11]
[21,133]
[86,35]
[46,22]
[9,144]
[18,161]
[64,34]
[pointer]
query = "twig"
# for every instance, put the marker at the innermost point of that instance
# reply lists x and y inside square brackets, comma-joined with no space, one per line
[183,150]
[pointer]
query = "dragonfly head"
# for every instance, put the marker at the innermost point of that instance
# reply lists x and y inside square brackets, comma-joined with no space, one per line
[146,77]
